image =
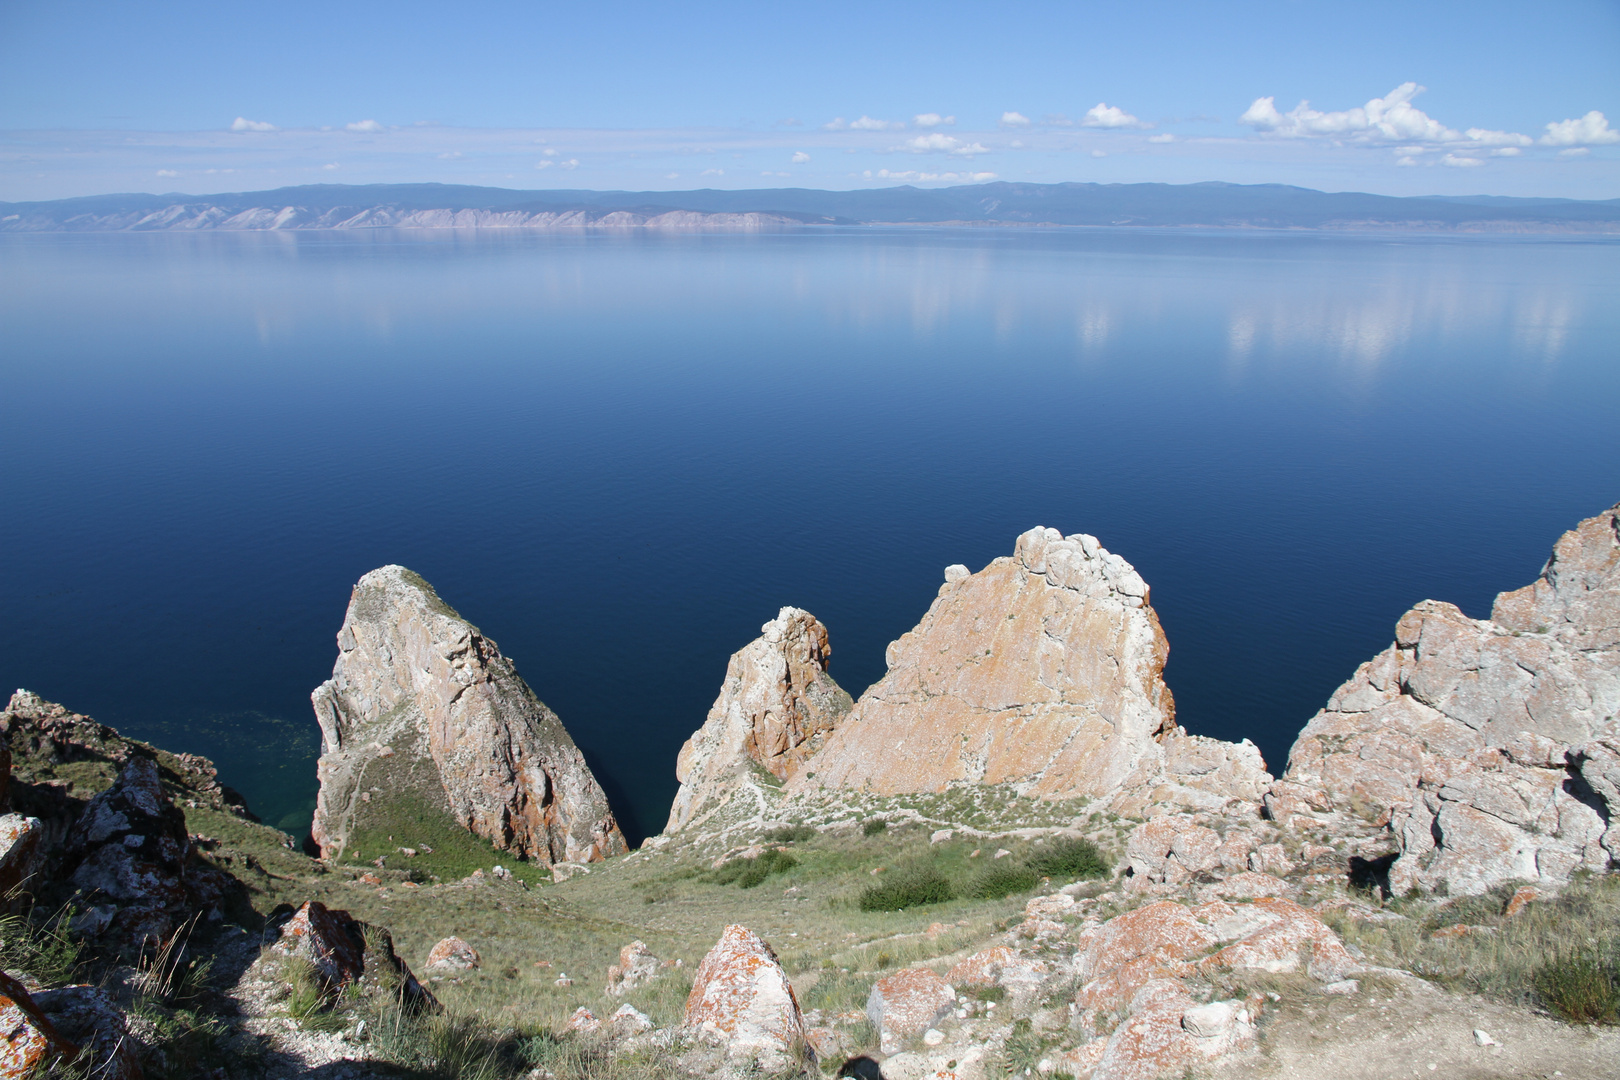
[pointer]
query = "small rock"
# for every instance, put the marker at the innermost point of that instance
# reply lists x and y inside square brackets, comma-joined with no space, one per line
[637,966]
[583,1020]
[502,873]
[939,836]
[452,954]
[27,1038]
[933,1037]
[1520,900]
[1001,853]
[408,852]
[1343,986]
[1482,1039]
[564,980]
[628,1020]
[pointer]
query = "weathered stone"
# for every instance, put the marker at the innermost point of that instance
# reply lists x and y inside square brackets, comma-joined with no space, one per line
[421,707]
[907,1003]
[452,954]
[87,1017]
[28,1039]
[1472,738]
[583,1021]
[21,857]
[776,708]
[130,850]
[983,968]
[637,967]
[1043,671]
[1167,1032]
[1171,848]
[742,999]
[343,951]
[629,1020]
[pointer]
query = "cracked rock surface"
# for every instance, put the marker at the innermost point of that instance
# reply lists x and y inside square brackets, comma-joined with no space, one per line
[423,708]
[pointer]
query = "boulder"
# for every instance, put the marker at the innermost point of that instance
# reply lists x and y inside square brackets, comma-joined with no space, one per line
[1481,742]
[637,967]
[1167,1033]
[22,851]
[30,1041]
[908,1003]
[87,1017]
[1043,670]
[129,851]
[343,951]
[742,999]
[452,954]
[424,715]
[776,708]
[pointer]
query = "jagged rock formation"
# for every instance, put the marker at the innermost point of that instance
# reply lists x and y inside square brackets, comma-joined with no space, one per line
[775,709]
[59,759]
[1043,671]
[1486,745]
[423,715]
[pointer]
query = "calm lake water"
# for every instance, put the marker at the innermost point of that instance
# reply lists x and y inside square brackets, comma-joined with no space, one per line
[618,455]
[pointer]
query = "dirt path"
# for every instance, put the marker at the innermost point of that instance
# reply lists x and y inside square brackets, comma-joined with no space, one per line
[1413,1029]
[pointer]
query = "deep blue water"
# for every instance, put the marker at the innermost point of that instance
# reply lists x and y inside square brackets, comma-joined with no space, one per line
[618,455]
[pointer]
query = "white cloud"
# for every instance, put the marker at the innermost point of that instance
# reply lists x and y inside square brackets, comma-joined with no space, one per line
[211,172]
[790,121]
[167,172]
[365,127]
[1497,138]
[1103,115]
[552,151]
[1408,160]
[1506,151]
[935,143]
[571,163]
[800,157]
[1057,120]
[1391,117]
[1575,152]
[866,123]
[1014,119]
[1099,153]
[949,177]
[1017,144]
[769,173]
[712,172]
[835,124]
[544,164]
[448,155]
[932,119]
[1164,138]
[1460,162]
[1590,130]
[242,123]
[329,166]
[672,176]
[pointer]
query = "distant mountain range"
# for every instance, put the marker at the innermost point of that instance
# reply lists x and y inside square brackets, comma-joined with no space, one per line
[1208,205]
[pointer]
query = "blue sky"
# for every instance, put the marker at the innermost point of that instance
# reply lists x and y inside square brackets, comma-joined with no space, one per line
[1404,98]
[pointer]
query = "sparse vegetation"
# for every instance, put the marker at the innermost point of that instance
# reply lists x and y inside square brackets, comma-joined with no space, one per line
[1001,879]
[752,872]
[1582,985]
[787,834]
[40,946]
[874,826]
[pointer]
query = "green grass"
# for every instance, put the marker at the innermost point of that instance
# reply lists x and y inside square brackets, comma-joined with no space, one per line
[444,849]
[916,885]
[787,834]
[41,946]
[1582,985]
[874,826]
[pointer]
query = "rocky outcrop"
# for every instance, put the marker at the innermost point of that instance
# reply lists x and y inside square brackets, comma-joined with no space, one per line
[636,968]
[342,952]
[776,708]
[22,856]
[423,715]
[742,999]
[29,1042]
[453,954]
[130,858]
[86,1016]
[1485,745]
[906,1004]
[60,759]
[1043,671]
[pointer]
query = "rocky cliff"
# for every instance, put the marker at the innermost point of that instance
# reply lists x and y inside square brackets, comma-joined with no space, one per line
[1486,746]
[424,717]
[776,708]
[1043,671]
